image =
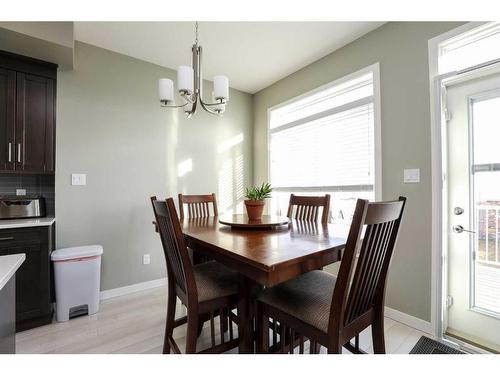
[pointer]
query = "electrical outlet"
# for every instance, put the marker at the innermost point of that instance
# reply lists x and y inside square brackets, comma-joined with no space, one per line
[146,259]
[20,191]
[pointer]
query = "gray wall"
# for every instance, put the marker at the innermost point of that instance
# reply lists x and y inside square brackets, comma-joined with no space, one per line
[23,44]
[401,49]
[111,127]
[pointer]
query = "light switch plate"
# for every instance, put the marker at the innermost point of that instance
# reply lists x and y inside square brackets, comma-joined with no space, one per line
[20,192]
[411,176]
[78,179]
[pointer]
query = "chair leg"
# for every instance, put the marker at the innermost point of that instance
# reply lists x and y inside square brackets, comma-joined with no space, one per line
[192,331]
[317,348]
[225,323]
[335,350]
[169,326]
[378,334]
[334,346]
[314,347]
[201,322]
[262,331]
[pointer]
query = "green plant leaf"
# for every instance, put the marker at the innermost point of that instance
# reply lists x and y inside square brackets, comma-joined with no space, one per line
[259,193]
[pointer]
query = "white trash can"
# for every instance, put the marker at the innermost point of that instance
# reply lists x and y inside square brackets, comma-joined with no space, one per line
[77,273]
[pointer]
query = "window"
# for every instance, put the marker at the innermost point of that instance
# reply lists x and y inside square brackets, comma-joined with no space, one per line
[324,142]
[473,47]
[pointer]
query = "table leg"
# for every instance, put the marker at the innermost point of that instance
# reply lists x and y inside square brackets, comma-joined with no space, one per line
[247,291]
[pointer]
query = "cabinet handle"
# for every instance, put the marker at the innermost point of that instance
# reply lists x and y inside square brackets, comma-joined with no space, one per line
[6,238]
[10,152]
[18,152]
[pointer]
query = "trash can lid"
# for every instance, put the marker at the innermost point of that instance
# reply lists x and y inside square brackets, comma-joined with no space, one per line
[76,252]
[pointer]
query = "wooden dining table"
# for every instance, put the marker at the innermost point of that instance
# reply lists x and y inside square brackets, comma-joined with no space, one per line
[263,257]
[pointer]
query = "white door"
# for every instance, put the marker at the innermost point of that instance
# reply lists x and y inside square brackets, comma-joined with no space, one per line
[473,186]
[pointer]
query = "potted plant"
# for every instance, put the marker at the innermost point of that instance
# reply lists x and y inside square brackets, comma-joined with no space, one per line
[255,200]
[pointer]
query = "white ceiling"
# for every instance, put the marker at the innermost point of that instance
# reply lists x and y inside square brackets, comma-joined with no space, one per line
[252,54]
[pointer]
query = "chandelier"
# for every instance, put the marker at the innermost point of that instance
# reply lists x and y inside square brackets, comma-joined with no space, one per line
[189,86]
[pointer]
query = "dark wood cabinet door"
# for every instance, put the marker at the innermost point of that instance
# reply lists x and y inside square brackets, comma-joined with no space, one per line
[35,123]
[7,118]
[32,283]
[33,279]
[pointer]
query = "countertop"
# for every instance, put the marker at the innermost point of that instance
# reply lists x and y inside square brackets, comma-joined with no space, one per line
[8,267]
[22,223]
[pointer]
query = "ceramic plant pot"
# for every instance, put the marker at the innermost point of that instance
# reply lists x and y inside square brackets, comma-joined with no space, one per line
[254,209]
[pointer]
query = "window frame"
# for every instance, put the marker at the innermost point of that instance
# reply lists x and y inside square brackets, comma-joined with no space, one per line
[438,43]
[374,69]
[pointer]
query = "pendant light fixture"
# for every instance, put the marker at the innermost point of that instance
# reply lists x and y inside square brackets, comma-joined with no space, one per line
[189,86]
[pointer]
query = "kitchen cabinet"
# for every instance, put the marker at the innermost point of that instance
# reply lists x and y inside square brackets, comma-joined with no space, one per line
[27,114]
[7,118]
[33,279]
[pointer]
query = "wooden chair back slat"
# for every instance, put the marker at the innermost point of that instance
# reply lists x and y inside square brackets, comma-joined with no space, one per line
[361,283]
[197,205]
[179,267]
[307,208]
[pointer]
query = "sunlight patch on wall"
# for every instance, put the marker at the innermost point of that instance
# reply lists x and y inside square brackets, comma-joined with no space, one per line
[184,167]
[231,182]
[239,188]
[230,143]
[225,191]
[171,139]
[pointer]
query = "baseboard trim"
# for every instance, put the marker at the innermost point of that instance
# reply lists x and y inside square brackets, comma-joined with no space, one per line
[134,288]
[408,320]
[393,314]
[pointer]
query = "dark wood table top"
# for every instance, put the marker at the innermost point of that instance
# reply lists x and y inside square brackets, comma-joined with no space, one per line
[242,221]
[268,256]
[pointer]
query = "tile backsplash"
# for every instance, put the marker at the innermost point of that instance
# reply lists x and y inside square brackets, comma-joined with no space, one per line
[35,185]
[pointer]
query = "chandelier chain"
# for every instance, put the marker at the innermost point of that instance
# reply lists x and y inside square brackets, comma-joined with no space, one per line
[196,33]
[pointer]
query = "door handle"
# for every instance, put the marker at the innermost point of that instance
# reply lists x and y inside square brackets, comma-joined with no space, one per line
[18,152]
[6,238]
[10,152]
[460,229]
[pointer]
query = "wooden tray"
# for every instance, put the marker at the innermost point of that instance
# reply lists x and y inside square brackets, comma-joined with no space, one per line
[242,221]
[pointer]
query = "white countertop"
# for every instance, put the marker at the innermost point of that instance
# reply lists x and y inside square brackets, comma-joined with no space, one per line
[21,223]
[8,267]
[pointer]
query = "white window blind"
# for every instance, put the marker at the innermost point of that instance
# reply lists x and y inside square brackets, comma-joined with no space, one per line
[479,45]
[325,139]
[323,100]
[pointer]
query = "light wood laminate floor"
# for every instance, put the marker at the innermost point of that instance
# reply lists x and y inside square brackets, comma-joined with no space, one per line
[135,324]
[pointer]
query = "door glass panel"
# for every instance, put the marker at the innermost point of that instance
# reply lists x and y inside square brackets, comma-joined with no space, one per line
[486,188]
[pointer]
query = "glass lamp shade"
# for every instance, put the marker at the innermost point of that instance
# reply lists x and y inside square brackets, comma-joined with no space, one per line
[185,79]
[166,90]
[221,87]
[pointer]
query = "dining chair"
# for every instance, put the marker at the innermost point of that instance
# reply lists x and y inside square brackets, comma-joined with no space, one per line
[330,311]
[308,207]
[207,288]
[197,205]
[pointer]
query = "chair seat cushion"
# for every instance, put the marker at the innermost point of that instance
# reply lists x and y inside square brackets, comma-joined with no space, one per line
[213,280]
[307,298]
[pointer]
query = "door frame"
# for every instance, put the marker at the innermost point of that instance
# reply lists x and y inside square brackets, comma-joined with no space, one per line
[437,85]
